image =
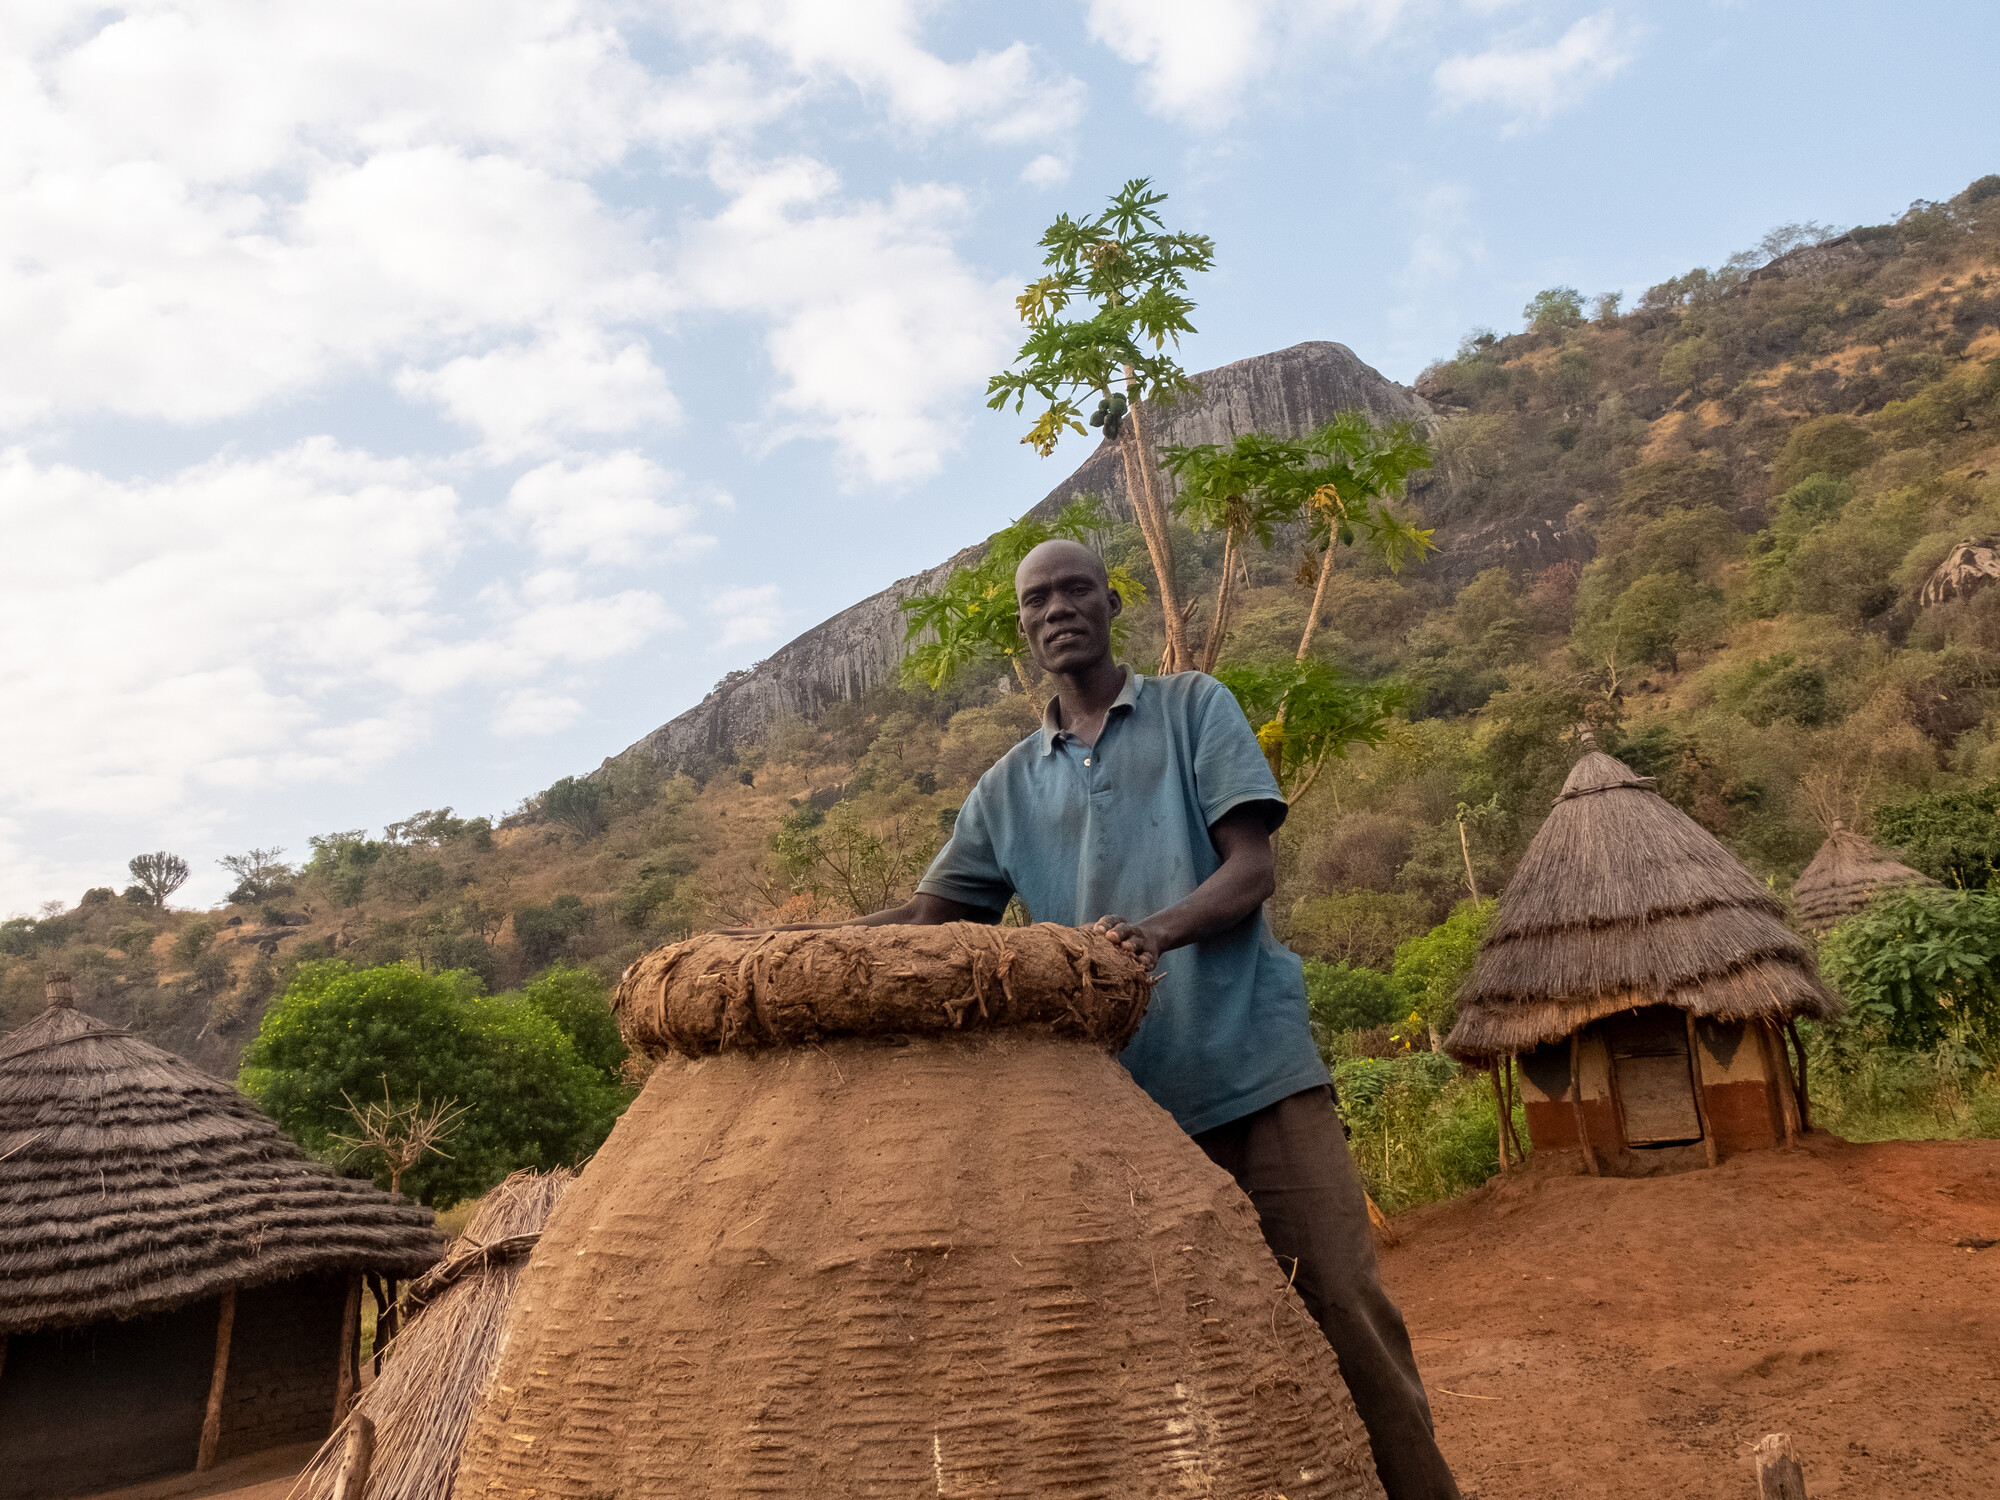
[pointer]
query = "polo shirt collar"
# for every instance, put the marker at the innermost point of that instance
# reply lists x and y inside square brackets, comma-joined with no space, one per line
[1052,730]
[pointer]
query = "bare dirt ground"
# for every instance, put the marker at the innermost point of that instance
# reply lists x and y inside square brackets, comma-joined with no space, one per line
[1615,1337]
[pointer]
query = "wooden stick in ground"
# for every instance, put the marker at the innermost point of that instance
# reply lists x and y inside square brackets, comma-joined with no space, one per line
[1700,1090]
[357,1455]
[211,1422]
[1805,1103]
[1779,1476]
[350,1351]
[1778,1066]
[1576,1101]
[1499,1103]
[1513,1094]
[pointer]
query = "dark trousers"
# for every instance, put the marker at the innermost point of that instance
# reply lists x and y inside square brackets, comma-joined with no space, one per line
[1291,1158]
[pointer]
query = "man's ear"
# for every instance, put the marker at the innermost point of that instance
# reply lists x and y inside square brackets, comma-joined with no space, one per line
[1117,604]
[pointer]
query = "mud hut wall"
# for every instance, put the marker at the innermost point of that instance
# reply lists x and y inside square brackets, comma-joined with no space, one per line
[1545,1095]
[108,1404]
[283,1364]
[1738,1090]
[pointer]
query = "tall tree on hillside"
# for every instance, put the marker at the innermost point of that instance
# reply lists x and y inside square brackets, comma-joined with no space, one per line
[1132,275]
[1356,468]
[158,874]
[1240,492]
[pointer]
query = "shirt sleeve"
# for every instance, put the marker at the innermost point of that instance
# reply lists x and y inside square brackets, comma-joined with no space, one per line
[1229,765]
[967,869]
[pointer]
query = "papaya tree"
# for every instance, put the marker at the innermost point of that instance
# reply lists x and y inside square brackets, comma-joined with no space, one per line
[1130,274]
[1307,714]
[973,616]
[1241,492]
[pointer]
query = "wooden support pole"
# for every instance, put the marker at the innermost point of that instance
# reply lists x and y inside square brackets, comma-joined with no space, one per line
[1778,1065]
[350,1352]
[357,1456]
[1805,1103]
[1779,1476]
[1700,1090]
[1513,1093]
[3,1354]
[211,1422]
[1500,1104]
[1576,1101]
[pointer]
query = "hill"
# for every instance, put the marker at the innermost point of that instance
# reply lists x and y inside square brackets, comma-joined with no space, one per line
[1703,523]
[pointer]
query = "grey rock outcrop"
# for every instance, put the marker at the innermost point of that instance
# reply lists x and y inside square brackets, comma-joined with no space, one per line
[1288,392]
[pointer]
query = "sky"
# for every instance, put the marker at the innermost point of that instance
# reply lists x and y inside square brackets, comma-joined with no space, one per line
[408,405]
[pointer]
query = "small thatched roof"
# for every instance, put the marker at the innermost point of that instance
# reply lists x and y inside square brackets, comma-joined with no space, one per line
[1623,900]
[1843,875]
[132,1182]
[440,1365]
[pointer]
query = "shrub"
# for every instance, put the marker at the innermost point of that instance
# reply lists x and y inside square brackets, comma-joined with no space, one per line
[1342,997]
[580,805]
[1357,926]
[575,1000]
[1916,967]
[542,934]
[1833,446]
[1950,836]
[1429,969]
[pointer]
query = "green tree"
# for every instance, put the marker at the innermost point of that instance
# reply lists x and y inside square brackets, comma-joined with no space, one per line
[1131,274]
[579,804]
[159,874]
[1555,310]
[1241,492]
[339,1034]
[973,617]
[1430,968]
[1918,966]
[1307,714]
[575,1000]
[1345,997]
[1950,836]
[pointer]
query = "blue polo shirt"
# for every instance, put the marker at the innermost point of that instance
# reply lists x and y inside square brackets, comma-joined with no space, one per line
[1121,829]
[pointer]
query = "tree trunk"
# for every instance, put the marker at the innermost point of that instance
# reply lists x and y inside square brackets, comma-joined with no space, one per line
[1466,849]
[1779,1476]
[1212,648]
[211,1421]
[1142,490]
[1319,600]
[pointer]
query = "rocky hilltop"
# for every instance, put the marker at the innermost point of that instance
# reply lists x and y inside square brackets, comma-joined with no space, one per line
[1288,392]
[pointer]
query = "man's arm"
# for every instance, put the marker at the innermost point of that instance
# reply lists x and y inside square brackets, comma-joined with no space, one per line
[1244,882]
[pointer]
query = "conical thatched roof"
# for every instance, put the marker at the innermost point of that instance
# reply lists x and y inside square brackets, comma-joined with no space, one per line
[1843,875]
[1624,900]
[132,1182]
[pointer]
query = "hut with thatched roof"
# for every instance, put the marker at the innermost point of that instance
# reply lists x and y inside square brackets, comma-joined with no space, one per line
[1847,871]
[179,1285]
[1641,976]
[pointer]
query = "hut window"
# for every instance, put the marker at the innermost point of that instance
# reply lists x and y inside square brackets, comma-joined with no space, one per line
[1655,1081]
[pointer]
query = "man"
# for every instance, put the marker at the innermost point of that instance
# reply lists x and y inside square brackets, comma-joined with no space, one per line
[1150,799]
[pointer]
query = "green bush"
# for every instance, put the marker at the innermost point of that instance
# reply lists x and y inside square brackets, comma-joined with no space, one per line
[1950,836]
[1343,997]
[1917,968]
[542,934]
[1419,1129]
[575,1000]
[340,1033]
[1429,969]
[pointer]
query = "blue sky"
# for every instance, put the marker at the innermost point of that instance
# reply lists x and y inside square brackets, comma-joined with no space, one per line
[407,406]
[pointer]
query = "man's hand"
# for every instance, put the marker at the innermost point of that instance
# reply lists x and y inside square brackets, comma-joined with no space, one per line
[1133,937]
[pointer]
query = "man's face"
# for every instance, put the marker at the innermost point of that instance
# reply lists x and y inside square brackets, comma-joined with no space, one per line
[1066,608]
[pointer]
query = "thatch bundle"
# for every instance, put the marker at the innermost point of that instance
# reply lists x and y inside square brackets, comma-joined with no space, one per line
[1623,900]
[132,1182]
[911,1258]
[439,1364]
[719,992]
[1847,871]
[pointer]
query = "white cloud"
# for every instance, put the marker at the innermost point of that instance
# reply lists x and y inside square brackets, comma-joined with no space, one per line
[1196,58]
[532,711]
[1046,171]
[877,328]
[250,622]
[1533,83]
[604,510]
[874,45]
[749,615]
[532,398]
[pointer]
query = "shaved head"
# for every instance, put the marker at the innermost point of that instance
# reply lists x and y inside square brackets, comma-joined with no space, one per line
[1063,556]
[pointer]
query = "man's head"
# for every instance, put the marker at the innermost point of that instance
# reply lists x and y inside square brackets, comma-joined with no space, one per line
[1067,605]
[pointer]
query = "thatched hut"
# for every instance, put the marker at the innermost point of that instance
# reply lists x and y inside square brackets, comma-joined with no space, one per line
[1847,871]
[441,1361]
[178,1284]
[1641,976]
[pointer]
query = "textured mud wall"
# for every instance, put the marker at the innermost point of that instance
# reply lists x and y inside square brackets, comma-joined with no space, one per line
[968,1265]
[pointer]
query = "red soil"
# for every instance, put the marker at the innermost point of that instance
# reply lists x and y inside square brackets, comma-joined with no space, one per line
[1636,1337]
